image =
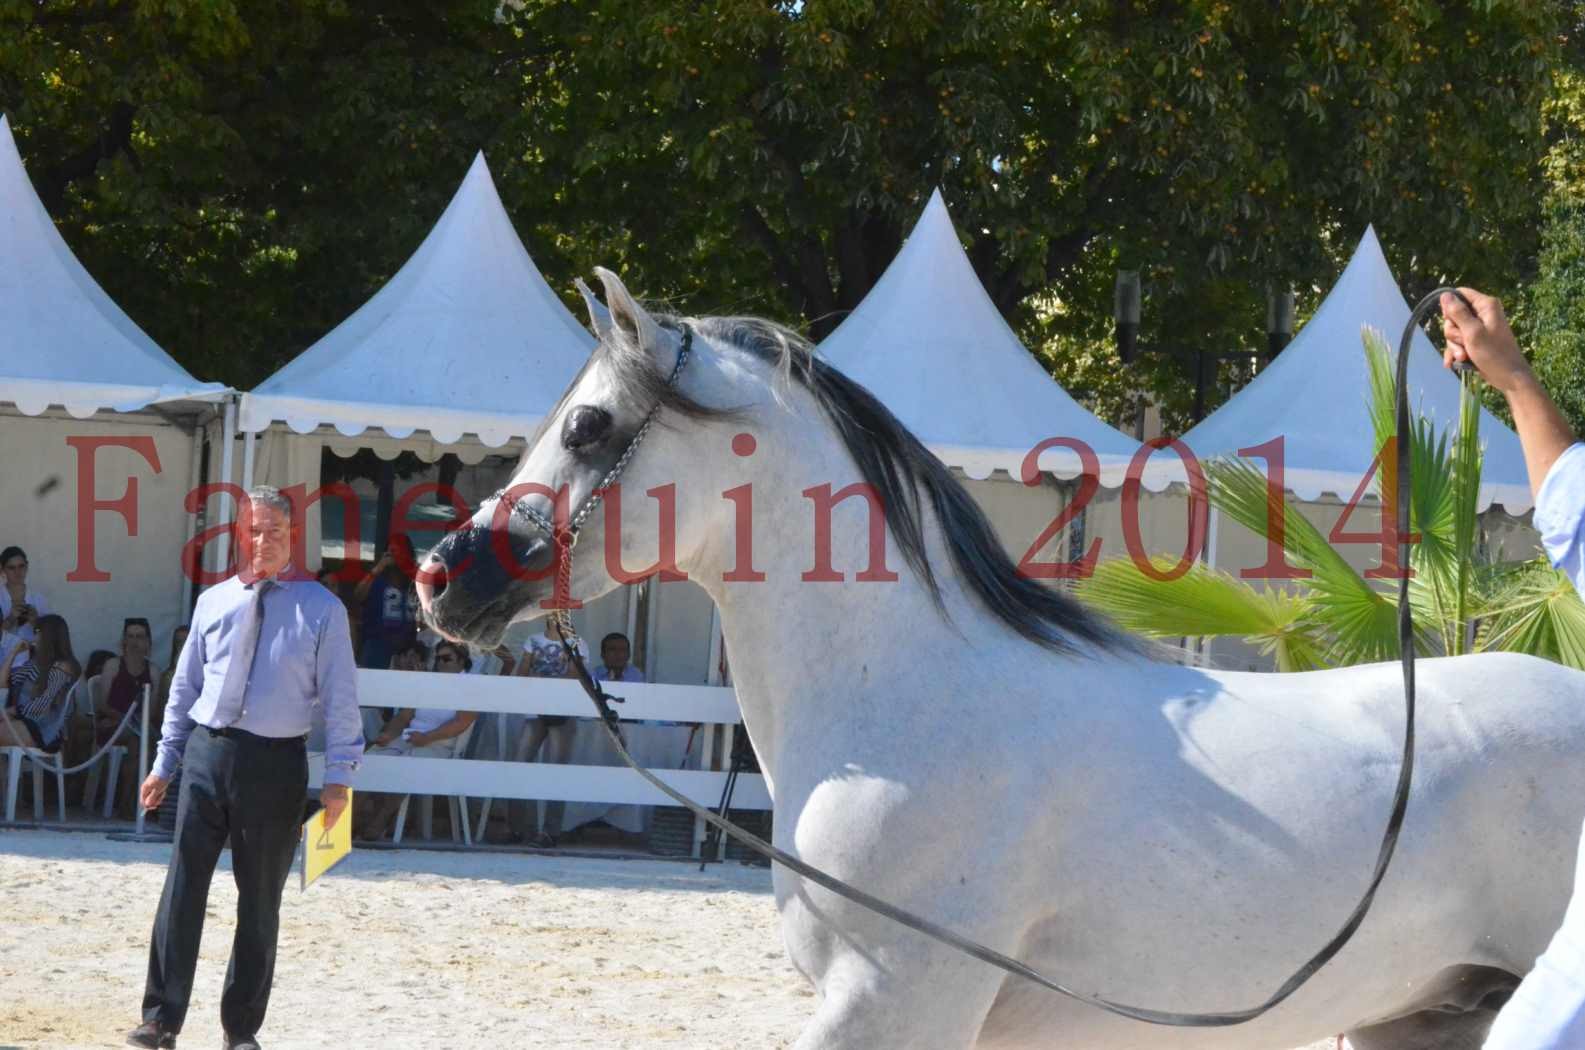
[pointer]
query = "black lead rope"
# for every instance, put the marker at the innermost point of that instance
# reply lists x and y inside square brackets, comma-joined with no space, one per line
[608,718]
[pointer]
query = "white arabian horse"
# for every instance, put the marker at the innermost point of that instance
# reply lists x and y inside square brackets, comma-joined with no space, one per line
[989,754]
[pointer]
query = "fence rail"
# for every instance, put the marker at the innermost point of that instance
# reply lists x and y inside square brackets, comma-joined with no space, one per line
[714,707]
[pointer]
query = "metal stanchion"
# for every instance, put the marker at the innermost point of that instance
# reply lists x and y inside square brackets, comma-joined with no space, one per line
[143,757]
[140,835]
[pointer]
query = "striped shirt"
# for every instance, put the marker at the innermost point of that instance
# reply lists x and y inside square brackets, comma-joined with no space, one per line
[41,706]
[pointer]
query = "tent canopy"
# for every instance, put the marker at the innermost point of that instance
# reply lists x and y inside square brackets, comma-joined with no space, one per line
[929,342]
[1316,395]
[467,337]
[62,340]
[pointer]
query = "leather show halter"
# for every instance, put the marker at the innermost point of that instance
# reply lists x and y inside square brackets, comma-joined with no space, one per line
[565,537]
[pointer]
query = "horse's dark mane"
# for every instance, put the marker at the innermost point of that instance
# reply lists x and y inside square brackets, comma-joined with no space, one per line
[897,465]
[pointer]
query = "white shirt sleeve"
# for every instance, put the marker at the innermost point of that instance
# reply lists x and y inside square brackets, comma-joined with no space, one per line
[1560,514]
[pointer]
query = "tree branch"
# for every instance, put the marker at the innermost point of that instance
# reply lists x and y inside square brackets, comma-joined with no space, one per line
[114,138]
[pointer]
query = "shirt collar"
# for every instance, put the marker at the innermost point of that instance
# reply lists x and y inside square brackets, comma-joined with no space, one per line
[287,573]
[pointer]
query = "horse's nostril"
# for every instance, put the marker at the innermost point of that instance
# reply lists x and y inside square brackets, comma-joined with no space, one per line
[431,581]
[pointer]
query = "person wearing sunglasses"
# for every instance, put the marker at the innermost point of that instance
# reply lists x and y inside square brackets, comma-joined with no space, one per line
[20,605]
[428,732]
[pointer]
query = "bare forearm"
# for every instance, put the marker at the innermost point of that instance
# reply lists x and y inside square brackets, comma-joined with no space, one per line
[394,727]
[1543,432]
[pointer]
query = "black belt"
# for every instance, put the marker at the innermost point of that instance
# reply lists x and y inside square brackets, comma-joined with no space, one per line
[234,733]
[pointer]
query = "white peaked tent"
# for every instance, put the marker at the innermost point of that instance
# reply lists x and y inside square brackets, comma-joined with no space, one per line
[76,374]
[464,350]
[63,341]
[466,338]
[929,342]
[1315,395]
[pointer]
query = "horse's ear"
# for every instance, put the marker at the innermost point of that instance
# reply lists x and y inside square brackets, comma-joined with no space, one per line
[599,316]
[627,317]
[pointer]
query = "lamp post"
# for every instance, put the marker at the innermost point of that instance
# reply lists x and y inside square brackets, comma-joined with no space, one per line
[1125,311]
[1279,322]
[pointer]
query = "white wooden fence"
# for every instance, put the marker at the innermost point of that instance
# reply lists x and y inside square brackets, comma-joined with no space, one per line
[714,707]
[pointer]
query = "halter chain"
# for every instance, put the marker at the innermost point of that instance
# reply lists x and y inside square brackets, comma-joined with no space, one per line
[566,538]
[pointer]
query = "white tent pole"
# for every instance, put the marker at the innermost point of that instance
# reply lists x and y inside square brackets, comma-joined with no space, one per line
[713,671]
[194,476]
[1212,529]
[632,615]
[249,451]
[228,438]
[143,752]
[651,618]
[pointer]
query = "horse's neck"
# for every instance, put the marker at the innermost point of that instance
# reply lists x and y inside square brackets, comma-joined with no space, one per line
[809,653]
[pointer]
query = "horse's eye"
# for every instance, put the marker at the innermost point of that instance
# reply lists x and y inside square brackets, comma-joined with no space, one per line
[585,426]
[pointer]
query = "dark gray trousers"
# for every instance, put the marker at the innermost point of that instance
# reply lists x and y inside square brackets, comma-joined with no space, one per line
[248,792]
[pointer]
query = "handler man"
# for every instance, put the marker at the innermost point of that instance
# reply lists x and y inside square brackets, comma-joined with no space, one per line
[1547,1012]
[267,652]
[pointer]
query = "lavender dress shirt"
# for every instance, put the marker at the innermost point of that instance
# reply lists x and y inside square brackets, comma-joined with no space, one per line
[303,668]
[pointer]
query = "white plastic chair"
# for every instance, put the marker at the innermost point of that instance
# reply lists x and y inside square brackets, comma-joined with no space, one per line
[41,761]
[14,780]
[426,813]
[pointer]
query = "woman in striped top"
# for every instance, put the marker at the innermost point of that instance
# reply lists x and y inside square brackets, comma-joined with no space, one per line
[34,695]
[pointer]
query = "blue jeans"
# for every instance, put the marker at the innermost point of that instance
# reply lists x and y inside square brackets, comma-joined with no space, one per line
[1547,1012]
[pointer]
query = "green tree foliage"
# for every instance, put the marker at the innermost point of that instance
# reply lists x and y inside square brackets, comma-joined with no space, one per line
[1553,322]
[241,176]
[1551,315]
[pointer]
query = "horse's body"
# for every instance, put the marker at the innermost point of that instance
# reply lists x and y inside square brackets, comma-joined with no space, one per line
[1170,837]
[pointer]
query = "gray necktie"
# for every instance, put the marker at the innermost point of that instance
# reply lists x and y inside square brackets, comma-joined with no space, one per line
[234,692]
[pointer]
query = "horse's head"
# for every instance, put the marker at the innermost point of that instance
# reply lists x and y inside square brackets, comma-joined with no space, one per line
[614,426]
[736,383]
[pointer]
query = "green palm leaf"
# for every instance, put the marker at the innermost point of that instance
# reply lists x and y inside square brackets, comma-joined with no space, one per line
[1204,602]
[1535,609]
[1436,557]
[1358,621]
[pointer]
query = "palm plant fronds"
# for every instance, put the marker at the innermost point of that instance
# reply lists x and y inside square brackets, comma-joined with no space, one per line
[1362,620]
[1204,602]
[1334,616]
[1534,609]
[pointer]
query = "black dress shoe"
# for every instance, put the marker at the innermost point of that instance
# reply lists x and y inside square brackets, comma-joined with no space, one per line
[239,1042]
[153,1035]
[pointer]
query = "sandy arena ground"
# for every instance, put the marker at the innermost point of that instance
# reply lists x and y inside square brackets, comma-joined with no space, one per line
[400,950]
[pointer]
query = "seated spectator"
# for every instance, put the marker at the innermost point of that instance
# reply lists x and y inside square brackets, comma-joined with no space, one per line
[79,742]
[615,650]
[389,601]
[123,679]
[410,656]
[544,657]
[36,694]
[20,605]
[426,732]
[96,663]
[507,658]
